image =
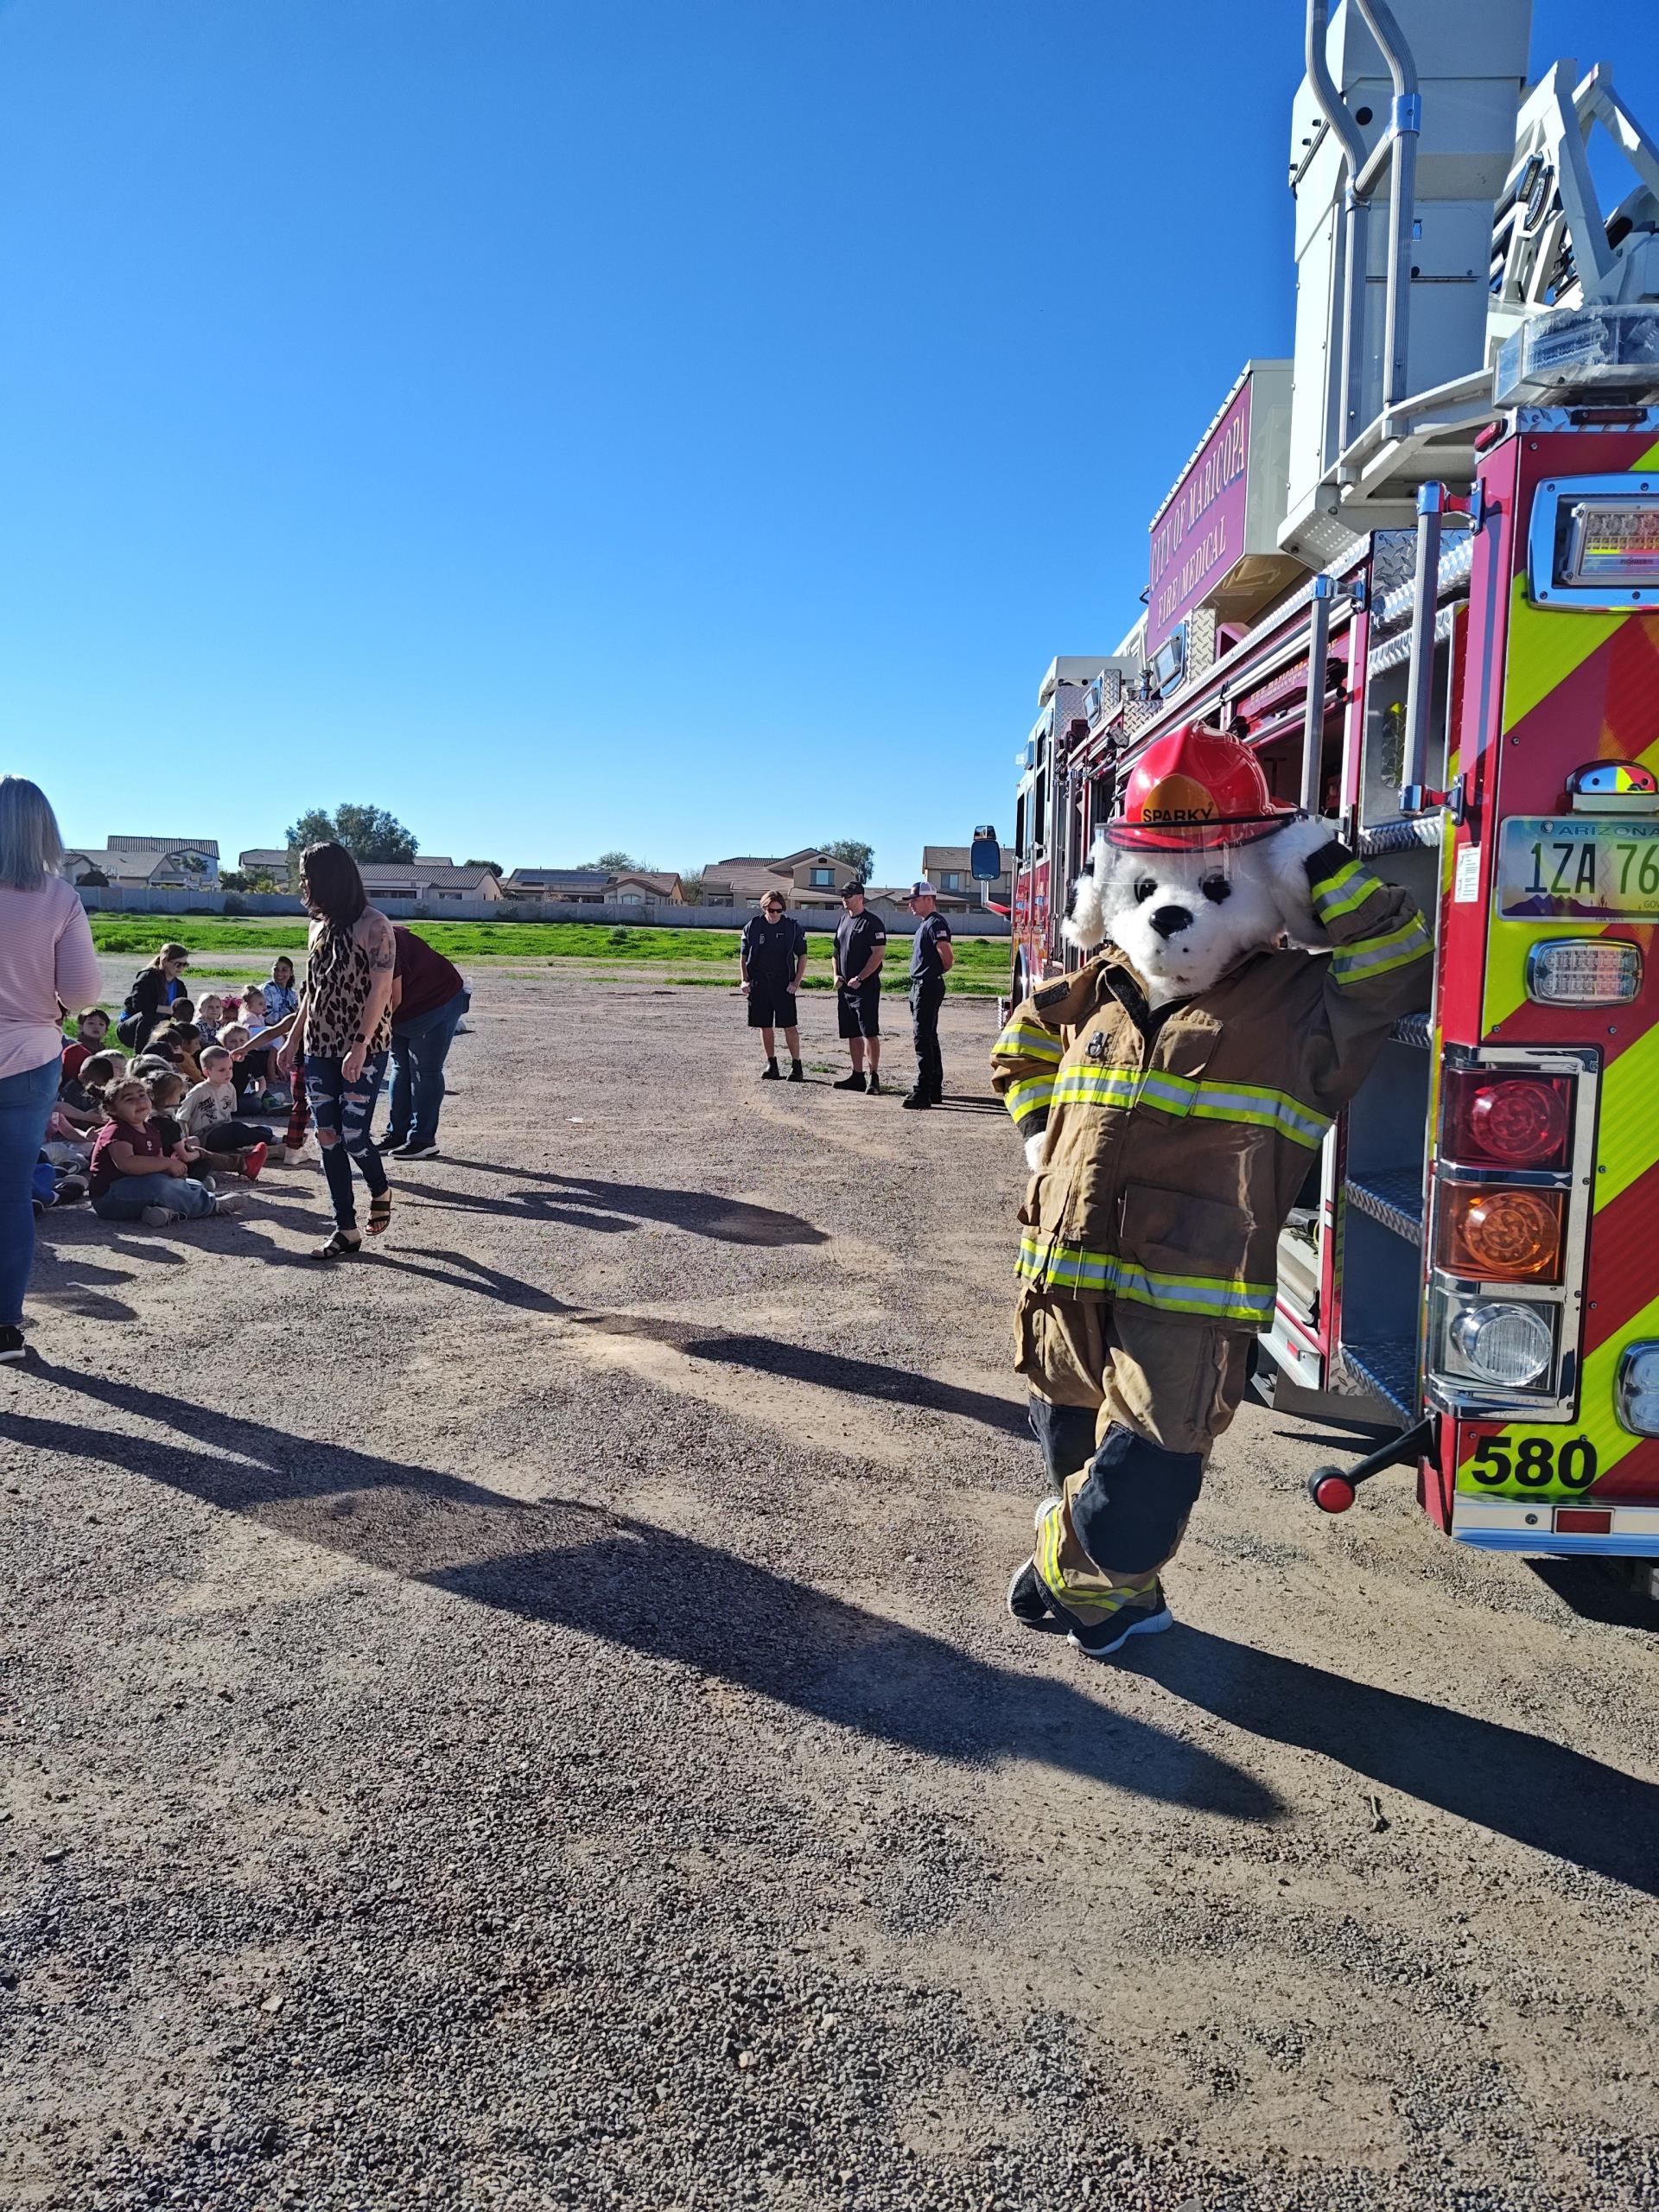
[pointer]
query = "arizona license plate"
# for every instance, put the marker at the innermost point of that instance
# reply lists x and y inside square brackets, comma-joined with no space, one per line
[1578,870]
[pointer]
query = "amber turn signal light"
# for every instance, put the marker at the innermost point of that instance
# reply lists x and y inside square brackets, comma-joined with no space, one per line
[1500,1235]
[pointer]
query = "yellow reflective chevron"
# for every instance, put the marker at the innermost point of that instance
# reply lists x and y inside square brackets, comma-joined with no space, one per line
[1109,1274]
[1628,1137]
[1546,645]
[1341,893]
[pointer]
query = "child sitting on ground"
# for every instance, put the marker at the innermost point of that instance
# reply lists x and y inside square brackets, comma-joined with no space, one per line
[209,1115]
[134,1177]
[81,1103]
[92,1028]
[211,1018]
[282,998]
[176,1043]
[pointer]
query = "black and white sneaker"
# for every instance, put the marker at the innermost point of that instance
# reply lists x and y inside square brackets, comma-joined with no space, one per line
[391,1142]
[1027,1599]
[873,1086]
[915,1098]
[413,1151]
[1113,1633]
[12,1346]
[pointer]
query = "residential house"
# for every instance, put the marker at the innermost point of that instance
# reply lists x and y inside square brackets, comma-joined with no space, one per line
[149,863]
[947,869]
[809,878]
[432,882]
[597,886]
[574,887]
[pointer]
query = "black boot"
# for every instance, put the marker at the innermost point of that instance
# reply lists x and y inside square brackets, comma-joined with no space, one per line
[797,1072]
[769,1073]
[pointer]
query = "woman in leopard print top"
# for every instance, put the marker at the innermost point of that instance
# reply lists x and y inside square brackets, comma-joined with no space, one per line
[343,1030]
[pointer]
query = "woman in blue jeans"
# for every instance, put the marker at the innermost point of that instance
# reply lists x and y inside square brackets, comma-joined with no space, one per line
[47,963]
[343,1030]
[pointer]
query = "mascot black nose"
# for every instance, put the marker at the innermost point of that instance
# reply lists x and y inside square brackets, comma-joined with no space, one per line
[1168,919]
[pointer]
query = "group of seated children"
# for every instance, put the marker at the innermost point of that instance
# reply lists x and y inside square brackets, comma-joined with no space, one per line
[145,1140]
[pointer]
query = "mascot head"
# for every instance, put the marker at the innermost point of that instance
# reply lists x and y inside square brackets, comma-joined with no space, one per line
[1200,870]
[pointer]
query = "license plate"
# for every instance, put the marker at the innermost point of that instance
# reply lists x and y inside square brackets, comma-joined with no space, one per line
[1577,870]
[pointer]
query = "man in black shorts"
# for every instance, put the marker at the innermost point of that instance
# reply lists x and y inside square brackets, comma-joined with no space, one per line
[773,954]
[932,954]
[861,947]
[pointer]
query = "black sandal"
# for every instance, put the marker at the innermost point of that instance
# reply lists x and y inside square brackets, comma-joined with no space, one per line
[338,1247]
[380,1213]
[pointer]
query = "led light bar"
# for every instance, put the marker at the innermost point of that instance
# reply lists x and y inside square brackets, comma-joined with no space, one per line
[1602,352]
[1583,971]
[1612,542]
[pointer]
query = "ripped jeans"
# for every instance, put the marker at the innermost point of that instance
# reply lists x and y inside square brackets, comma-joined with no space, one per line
[342,1113]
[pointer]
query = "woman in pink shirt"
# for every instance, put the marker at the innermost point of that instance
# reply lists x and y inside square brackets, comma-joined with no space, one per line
[47,963]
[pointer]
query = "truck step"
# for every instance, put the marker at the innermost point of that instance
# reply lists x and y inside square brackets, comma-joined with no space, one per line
[1387,1371]
[1392,1196]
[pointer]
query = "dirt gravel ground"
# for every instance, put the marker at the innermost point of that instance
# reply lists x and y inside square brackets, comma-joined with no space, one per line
[529,1719]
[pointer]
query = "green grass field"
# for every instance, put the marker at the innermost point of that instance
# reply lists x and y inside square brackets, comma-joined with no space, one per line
[982,965]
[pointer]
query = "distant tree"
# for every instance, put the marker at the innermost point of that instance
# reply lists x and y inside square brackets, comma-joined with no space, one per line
[494,867]
[232,879]
[857,856]
[368,833]
[614,863]
[94,879]
[691,886]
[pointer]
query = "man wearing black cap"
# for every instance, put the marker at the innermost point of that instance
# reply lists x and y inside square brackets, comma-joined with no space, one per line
[861,947]
[773,955]
[932,954]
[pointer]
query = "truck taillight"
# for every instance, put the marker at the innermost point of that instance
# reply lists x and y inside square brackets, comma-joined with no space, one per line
[1506,1120]
[1495,1234]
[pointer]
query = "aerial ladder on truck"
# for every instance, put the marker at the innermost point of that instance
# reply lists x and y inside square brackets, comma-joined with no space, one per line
[1417,569]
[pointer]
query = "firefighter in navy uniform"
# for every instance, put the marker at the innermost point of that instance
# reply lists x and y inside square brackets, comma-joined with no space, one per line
[773,952]
[1172,1104]
[932,956]
[861,947]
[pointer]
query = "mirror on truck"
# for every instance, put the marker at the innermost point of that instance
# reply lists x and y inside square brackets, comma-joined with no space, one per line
[985,856]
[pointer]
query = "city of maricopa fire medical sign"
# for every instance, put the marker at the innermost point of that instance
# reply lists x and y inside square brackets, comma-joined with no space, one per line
[1224,511]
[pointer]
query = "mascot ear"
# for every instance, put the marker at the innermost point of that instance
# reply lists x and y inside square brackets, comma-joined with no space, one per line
[1285,856]
[1086,924]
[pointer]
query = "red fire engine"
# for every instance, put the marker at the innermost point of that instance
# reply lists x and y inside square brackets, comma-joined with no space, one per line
[1417,569]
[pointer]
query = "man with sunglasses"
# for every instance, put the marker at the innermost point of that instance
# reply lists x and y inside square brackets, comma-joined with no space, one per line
[773,955]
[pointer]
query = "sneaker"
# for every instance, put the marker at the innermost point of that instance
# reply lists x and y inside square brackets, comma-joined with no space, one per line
[1113,1633]
[854,1082]
[873,1086]
[253,1160]
[769,1073]
[797,1072]
[391,1141]
[231,1205]
[915,1098]
[1041,1511]
[154,1217]
[414,1150]
[1027,1598]
[11,1346]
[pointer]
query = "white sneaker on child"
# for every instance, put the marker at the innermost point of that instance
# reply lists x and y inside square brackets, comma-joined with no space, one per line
[231,1203]
[154,1217]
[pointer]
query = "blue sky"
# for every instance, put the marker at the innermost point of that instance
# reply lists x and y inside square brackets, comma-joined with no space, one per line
[685,425]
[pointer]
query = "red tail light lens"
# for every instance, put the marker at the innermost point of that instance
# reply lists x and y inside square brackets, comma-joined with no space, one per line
[1500,1235]
[1509,1120]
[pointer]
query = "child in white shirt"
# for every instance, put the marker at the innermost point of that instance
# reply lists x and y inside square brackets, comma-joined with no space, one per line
[209,1114]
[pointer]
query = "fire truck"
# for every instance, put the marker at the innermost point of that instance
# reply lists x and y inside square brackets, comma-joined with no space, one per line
[1416,568]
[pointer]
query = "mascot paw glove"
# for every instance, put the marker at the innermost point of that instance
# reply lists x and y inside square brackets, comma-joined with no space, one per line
[1035,1148]
[1287,854]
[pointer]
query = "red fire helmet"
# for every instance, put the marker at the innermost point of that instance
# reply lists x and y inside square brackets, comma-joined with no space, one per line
[1193,789]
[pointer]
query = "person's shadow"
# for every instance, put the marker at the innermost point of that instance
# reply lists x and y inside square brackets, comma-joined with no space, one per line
[581,1202]
[635,1584]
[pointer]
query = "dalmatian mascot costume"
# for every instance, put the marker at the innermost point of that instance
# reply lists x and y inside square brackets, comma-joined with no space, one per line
[1173,1093]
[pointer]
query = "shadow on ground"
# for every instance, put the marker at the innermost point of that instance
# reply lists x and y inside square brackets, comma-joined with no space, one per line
[610,1575]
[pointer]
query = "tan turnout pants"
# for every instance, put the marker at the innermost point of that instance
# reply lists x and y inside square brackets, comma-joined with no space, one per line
[1175,1384]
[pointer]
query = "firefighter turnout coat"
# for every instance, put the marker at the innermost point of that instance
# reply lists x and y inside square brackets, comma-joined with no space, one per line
[1177,1139]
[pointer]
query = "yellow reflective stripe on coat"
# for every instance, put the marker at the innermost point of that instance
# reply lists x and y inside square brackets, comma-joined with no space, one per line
[1024,1040]
[1378,955]
[1341,893]
[1249,1102]
[1029,1095]
[1069,1267]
